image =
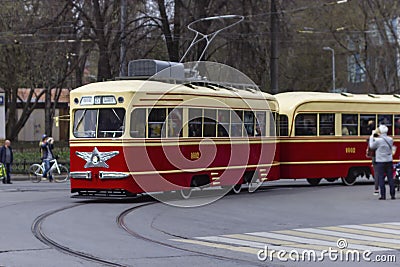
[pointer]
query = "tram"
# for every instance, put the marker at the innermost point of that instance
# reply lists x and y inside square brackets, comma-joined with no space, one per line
[134,136]
[324,135]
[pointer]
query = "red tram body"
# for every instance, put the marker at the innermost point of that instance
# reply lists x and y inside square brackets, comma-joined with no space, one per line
[168,138]
[315,140]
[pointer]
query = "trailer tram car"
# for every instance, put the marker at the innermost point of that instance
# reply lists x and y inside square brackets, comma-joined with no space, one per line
[132,136]
[324,135]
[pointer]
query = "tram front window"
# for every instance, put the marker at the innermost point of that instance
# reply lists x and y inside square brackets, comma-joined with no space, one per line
[100,123]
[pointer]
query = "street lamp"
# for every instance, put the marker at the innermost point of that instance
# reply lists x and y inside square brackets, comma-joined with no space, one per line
[333,66]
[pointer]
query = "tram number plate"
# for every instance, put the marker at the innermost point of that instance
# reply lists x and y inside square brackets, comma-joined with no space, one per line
[350,150]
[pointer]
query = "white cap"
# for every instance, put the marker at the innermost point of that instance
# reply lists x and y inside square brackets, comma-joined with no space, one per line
[383,129]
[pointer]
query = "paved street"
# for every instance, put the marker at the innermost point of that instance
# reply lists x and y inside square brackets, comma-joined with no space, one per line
[43,226]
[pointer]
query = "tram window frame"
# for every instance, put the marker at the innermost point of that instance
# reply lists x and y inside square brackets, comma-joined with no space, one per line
[283,125]
[175,123]
[326,127]
[305,124]
[138,123]
[367,123]
[272,124]
[156,122]
[210,123]
[236,123]
[86,119]
[396,124]
[223,123]
[195,122]
[350,124]
[110,122]
[261,123]
[386,119]
[249,122]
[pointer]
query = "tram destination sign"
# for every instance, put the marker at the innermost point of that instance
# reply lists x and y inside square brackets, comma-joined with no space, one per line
[1,100]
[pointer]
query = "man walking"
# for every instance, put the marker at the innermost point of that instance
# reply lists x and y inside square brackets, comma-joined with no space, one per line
[6,157]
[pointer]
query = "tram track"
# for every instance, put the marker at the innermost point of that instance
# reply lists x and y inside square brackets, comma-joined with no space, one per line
[38,232]
[121,223]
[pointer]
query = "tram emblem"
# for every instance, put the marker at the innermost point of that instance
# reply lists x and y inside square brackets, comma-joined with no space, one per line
[95,158]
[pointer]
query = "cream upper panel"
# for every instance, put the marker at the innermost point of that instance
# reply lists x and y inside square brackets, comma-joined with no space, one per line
[292,102]
[149,93]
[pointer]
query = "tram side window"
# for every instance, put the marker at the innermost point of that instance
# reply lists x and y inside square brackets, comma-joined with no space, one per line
[85,123]
[174,122]
[210,117]
[326,124]
[388,121]
[367,123]
[349,124]
[157,118]
[236,123]
[223,123]
[260,123]
[397,124]
[272,124]
[283,125]
[195,122]
[111,122]
[138,123]
[249,122]
[306,125]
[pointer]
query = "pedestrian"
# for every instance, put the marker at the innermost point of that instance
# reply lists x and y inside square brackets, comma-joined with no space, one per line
[383,146]
[370,153]
[46,147]
[7,157]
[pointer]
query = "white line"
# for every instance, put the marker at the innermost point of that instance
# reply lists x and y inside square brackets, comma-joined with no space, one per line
[393,223]
[312,241]
[373,229]
[353,236]
[253,244]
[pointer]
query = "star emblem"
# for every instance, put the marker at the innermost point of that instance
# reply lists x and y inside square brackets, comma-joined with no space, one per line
[96,159]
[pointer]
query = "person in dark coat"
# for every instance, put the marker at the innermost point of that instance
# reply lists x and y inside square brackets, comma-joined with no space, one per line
[7,157]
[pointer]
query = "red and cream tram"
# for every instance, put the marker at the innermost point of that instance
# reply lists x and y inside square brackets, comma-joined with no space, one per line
[324,135]
[129,137]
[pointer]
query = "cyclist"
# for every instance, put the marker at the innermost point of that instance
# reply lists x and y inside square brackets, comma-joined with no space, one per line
[46,148]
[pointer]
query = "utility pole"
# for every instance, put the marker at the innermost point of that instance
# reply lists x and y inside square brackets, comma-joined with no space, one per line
[274,48]
[122,59]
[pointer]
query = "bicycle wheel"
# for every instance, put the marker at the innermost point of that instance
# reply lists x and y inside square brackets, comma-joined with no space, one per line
[62,176]
[35,173]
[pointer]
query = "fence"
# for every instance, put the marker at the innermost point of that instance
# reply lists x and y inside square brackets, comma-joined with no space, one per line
[27,153]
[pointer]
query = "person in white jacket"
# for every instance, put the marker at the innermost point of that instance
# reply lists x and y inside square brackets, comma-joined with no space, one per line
[383,146]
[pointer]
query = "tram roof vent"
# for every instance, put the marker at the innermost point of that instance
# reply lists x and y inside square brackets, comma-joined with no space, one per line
[373,96]
[346,94]
[148,67]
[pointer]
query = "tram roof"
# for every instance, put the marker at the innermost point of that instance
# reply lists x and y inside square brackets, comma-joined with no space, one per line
[134,86]
[289,101]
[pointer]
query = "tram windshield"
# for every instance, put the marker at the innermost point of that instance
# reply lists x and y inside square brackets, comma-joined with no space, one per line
[99,123]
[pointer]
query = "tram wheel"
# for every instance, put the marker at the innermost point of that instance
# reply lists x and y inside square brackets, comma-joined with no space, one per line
[186,193]
[237,188]
[314,181]
[350,179]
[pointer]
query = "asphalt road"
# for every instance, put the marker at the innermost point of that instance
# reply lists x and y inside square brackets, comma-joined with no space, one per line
[43,226]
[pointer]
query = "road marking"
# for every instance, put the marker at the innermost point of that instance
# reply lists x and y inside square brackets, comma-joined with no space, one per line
[371,237]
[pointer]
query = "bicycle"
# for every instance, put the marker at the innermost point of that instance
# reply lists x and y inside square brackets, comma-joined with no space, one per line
[59,172]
